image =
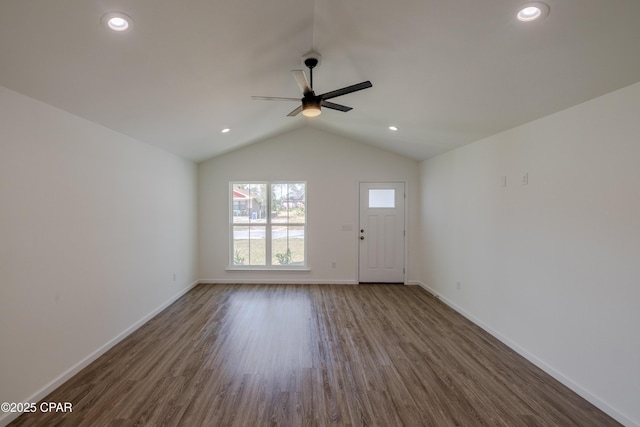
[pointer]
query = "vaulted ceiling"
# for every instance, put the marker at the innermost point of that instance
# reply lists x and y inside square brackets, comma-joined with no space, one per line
[446,73]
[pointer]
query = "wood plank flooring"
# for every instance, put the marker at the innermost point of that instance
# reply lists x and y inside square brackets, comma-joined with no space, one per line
[313,355]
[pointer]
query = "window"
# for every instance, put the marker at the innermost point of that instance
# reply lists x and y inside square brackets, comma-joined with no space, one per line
[382,198]
[268,225]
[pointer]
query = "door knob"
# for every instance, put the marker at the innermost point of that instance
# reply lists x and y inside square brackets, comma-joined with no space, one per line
[361,237]
[362,230]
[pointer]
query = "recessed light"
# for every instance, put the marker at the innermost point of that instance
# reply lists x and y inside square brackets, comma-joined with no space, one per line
[225,130]
[393,128]
[533,11]
[117,21]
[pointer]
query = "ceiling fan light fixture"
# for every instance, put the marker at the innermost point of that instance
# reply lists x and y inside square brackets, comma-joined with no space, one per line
[311,111]
[311,106]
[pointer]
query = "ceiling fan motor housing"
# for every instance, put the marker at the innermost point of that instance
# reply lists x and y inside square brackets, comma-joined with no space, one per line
[311,105]
[311,100]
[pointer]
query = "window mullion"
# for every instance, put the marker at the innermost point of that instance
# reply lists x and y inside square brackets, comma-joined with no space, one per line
[267,234]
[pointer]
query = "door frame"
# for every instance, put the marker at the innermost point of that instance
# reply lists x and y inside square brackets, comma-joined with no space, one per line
[406,222]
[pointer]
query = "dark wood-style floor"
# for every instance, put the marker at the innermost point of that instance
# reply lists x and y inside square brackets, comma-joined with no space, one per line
[313,355]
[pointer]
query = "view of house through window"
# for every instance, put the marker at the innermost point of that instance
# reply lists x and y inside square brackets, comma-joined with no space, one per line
[268,224]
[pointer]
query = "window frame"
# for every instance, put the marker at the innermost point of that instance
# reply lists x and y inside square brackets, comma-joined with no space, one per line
[268,226]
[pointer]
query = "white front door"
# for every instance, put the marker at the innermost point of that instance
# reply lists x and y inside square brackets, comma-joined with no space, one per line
[381,232]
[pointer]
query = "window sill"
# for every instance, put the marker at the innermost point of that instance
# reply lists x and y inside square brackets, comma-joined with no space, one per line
[262,269]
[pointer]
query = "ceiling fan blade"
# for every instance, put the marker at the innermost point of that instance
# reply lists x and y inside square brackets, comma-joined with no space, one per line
[301,79]
[295,112]
[274,98]
[346,90]
[334,106]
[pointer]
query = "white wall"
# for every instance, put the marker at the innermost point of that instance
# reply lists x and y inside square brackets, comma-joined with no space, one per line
[552,267]
[93,225]
[332,167]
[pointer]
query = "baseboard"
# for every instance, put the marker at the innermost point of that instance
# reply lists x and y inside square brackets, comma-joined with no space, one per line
[273,281]
[57,382]
[586,395]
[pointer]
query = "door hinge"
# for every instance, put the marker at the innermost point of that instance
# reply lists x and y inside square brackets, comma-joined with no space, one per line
[404,233]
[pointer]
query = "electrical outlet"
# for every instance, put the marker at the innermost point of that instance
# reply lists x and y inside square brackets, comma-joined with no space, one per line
[503,181]
[525,179]
[174,277]
[458,285]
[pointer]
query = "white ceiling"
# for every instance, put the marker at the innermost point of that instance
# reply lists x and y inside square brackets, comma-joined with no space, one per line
[446,73]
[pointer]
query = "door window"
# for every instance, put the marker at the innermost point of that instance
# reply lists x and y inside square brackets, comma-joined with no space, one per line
[382,198]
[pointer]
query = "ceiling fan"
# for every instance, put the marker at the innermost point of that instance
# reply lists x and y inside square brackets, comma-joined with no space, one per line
[311,102]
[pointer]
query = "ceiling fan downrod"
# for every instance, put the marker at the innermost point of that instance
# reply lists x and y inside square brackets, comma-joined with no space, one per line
[311,63]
